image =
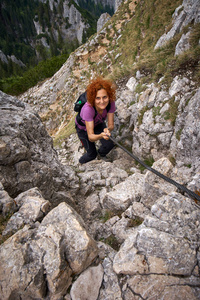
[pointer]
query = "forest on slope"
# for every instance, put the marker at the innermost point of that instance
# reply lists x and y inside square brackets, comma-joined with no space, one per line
[19,37]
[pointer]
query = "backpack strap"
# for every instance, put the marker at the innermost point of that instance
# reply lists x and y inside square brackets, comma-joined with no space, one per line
[79,119]
[108,107]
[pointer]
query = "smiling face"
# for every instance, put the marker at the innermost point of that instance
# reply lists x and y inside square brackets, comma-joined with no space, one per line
[101,100]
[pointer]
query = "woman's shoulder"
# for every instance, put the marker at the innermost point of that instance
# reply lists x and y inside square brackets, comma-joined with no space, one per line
[87,108]
[89,105]
[87,112]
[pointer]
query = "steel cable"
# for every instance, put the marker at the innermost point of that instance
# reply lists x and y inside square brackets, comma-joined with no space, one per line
[178,185]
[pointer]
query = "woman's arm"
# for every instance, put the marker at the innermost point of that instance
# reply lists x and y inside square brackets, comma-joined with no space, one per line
[92,136]
[110,121]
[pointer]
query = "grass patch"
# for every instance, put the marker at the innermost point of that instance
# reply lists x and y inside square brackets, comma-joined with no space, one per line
[148,161]
[140,35]
[172,112]
[135,222]
[107,215]
[172,160]
[188,166]
[3,223]
[132,103]
[156,111]
[178,134]
[111,241]
[141,114]
[65,133]
[140,88]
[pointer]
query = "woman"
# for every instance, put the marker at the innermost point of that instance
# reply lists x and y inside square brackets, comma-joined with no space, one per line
[99,106]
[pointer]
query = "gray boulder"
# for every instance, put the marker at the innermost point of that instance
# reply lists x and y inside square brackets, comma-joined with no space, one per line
[39,261]
[27,156]
[31,208]
[166,243]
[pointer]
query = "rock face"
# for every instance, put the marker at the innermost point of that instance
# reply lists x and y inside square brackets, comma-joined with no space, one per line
[184,14]
[69,30]
[43,258]
[30,200]
[157,235]
[92,277]
[151,251]
[112,3]
[117,3]
[102,20]
[152,230]
[27,156]
[159,129]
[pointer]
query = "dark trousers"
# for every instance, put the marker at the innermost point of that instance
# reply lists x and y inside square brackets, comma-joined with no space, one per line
[105,148]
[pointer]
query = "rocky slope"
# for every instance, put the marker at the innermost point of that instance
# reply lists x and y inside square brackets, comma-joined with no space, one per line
[103,230]
[129,235]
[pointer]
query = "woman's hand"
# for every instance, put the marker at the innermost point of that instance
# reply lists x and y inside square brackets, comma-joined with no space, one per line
[105,134]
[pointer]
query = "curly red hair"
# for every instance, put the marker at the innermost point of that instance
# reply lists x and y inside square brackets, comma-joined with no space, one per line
[98,84]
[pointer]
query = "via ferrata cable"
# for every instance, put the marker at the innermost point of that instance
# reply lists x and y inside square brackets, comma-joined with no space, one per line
[178,185]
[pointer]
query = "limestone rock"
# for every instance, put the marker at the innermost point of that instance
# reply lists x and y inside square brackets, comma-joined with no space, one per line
[37,261]
[102,21]
[7,204]
[183,44]
[160,241]
[187,145]
[27,156]
[178,84]
[124,193]
[183,15]
[131,84]
[88,284]
[107,175]
[163,251]
[3,57]
[79,248]
[31,208]
[167,287]
[110,286]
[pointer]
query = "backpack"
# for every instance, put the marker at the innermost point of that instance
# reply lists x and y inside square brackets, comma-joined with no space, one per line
[82,99]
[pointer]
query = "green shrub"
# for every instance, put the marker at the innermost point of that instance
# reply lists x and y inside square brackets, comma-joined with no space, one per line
[65,132]
[172,112]
[178,134]
[112,241]
[141,114]
[45,69]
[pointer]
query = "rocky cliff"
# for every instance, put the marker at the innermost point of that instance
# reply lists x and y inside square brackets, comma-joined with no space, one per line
[112,3]
[28,158]
[103,230]
[71,27]
[31,32]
